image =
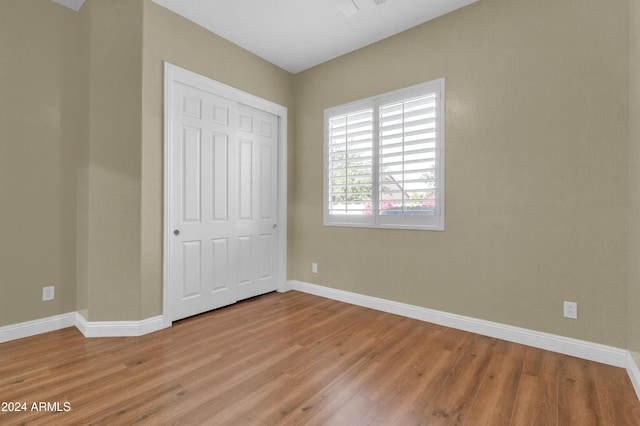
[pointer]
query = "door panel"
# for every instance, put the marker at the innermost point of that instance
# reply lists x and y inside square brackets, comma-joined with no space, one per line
[265,256]
[246,181]
[220,177]
[191,259]
[191,179]
[220,262]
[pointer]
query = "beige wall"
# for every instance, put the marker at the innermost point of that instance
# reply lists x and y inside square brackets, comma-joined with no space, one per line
[38,136]
[538,175]
[115,109]
[129,42]
[536,168]
[82,103]
[82,154]
[634,179]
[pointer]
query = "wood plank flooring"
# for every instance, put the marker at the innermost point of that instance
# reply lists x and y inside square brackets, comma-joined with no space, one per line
[299,359]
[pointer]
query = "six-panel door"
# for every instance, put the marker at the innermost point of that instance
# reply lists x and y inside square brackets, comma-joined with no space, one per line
[223,204]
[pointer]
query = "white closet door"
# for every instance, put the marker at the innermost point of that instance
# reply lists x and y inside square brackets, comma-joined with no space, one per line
[223,203]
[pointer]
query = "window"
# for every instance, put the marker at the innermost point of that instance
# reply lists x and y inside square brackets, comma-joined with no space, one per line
[384,160]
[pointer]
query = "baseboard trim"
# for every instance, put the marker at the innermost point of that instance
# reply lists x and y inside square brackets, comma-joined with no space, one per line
[634,373]
[39,326]
[565,345]
[87,328]
[119,328]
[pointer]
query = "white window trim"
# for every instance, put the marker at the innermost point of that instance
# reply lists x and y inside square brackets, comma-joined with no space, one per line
[435,223]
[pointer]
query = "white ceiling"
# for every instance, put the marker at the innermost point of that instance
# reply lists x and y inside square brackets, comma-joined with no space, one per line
[298,34]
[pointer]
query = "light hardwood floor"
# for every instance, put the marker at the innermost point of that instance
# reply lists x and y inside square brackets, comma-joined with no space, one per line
[294,358]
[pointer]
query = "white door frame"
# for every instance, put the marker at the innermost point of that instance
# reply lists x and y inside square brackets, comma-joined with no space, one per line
[174,73]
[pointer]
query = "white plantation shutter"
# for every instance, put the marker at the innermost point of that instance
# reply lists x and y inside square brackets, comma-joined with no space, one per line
[408,177]
[350,163]
[384,160]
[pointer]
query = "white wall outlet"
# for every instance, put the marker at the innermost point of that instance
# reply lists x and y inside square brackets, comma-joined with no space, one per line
[571,310]
[48,293]
[314,268]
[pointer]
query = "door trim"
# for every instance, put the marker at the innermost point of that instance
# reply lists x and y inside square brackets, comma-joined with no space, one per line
[175,73]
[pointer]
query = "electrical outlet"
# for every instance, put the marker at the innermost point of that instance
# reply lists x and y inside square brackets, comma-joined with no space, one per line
[48,293]
[571,310]
[314,268]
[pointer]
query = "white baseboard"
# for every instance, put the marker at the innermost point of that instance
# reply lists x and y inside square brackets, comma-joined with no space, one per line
[119,328]
[551,342]
[87,328]
[634,373]
[39,326]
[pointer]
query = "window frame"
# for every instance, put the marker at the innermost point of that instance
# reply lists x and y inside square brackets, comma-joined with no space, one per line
[375,219]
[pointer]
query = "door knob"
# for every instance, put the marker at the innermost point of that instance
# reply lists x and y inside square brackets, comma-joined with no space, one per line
[275,226]
[176,232]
